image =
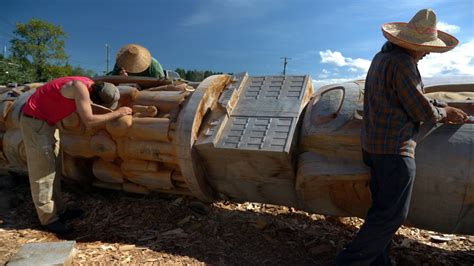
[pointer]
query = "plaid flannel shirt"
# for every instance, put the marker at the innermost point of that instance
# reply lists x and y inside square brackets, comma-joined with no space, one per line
[394,104]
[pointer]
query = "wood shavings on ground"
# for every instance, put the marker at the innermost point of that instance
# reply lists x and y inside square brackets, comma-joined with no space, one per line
[121,228]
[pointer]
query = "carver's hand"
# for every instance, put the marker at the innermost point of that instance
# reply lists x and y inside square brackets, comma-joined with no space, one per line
[124,110]
[455,115]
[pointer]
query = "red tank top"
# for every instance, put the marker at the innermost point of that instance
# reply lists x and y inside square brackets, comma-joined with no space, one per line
[47,103]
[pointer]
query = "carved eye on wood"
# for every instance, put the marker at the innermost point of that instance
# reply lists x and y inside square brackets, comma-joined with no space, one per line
[327,107]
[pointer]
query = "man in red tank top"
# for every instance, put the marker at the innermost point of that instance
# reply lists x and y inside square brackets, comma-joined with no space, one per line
[48,105]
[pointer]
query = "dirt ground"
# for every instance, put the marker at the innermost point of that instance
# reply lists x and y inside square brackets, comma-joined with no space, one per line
[121,228]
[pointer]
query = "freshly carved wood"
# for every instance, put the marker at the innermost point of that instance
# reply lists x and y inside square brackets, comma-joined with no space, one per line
[76,145]
[102,145]
[127,95]
[144,111]
[188,124]
[13,148]
[153,180]
[234,141]
[5,107]
[149,128]
[134,165]
[107,172]
[165,101]
[144,149]
[119,127]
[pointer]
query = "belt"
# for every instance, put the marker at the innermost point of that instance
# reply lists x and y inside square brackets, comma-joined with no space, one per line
[31,116]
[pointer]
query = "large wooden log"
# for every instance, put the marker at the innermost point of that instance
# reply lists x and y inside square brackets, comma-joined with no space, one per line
[119,127]
[133,165]
[76,169]
[77,146]
[151,180]
[71,123]
[145,150]
[103,146]
[144,111]
[5,107]
[150,128]
[190,119]
[13,148]
[330,176]
[127,95]
[165,101]
[107,172]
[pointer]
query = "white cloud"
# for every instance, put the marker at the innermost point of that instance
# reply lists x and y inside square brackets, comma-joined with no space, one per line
[459,61]
[336,58]
[329,57]
[324,74]
[318,83]
[449,28]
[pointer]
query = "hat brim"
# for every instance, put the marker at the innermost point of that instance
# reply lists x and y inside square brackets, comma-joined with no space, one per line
[134,63]
[112,106]
[391,30]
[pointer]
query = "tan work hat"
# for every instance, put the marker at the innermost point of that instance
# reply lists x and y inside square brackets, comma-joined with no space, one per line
[105,94]
[420,34]
[133,58]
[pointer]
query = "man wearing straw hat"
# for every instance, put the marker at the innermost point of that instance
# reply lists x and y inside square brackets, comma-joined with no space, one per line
[394,106]
[136,60]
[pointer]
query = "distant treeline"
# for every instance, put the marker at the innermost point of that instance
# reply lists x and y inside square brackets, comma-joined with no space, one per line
[37,54]
[195,75]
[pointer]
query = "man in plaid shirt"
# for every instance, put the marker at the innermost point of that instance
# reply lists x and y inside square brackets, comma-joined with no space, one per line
[394,106]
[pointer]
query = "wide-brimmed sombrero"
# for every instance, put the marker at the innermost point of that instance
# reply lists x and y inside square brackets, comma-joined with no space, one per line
[133,58]
[420,34]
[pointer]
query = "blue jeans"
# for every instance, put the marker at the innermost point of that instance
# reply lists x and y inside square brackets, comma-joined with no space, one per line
[391,185]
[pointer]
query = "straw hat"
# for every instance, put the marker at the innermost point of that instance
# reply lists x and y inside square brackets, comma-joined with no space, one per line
[133,58]
[420,34]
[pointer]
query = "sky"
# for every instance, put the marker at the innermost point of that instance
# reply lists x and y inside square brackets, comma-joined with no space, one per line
[333,41]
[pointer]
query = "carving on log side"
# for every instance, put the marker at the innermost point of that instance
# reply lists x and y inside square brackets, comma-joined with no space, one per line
[133,153]
[332,179]
[189,122]
[241,153]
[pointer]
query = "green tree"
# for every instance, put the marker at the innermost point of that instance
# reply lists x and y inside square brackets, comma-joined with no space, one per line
[41,44]
[12,71]
[79,71]
[181,72]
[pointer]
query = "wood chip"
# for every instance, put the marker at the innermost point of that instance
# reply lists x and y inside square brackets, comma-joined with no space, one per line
[126,247]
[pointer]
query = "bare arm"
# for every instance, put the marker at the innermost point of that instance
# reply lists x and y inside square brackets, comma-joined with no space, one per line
[83,105]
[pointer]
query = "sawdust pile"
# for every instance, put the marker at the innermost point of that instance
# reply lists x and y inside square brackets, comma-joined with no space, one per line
[129,229]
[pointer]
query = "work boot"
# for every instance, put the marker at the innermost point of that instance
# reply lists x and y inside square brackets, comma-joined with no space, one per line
[70,214]
[58,227]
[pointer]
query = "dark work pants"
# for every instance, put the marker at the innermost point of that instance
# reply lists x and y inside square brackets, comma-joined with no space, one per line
[391,184]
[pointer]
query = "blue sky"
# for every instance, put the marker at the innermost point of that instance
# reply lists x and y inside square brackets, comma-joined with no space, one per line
[330,40]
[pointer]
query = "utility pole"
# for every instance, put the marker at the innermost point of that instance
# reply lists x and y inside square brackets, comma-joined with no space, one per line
[107,58]
[4,51]
[285,62]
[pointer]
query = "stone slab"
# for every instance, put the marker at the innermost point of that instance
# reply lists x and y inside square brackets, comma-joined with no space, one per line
[49,253]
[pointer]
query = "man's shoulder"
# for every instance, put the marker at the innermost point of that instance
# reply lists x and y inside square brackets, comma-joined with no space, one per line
[395,55]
